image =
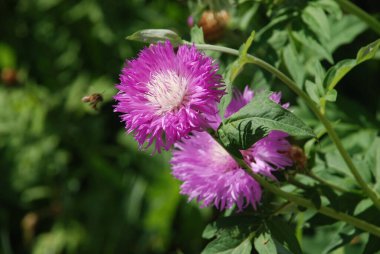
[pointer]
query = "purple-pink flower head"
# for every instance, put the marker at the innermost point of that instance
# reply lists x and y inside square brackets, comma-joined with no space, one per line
[238,101]
[164,95]
[269,154]
[211,176]
[276,97]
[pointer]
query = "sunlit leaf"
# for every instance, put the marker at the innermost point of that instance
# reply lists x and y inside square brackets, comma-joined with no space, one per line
[264,244]
[338,71]
[256,120]
[155,35]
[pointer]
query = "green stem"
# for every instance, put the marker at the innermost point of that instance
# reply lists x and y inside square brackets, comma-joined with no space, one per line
[332,186]
[291,84]
[363,225]
[373,23]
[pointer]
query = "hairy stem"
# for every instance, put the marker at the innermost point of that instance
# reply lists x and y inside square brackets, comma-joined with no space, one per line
[373,23]
[292,85]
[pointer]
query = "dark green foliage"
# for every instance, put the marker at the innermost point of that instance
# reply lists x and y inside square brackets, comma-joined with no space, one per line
[72,181]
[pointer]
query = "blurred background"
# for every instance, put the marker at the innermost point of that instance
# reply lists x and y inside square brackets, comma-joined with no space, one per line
[71,180]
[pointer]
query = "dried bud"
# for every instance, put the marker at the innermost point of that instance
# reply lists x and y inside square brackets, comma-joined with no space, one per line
[298,156]
[214,24]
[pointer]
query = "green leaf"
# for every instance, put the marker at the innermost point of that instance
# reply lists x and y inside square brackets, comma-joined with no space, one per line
[331,95]
[196,34]
[264,244]
[293,64]
[238,65]
[232,72]
[233,234]
[343,236]
[330,6]
[338,71]
[312,91]
[282,232]
[257,119]
[155,35]
[226,99]
[244,248]
[345,30]
[227,245]
[309,42]
[233,225]
[317,21]
[368,52]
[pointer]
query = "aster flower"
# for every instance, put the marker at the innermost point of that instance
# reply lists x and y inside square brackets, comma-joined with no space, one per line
[164,95]
[269,154]
[211,176]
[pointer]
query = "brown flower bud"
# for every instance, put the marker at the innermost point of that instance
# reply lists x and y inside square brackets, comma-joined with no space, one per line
[214,24]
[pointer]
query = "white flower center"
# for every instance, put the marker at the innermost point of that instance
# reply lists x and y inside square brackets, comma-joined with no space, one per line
[167,91]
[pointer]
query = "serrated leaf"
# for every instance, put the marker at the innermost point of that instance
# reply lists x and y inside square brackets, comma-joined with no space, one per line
[312,91]
[308,41]
[319,73]
[317,21]
[233,225]
[244,248]
[225,245]
[256,120]
[345,30]
[284,234]
[329,6]
[155,35]
[338,71]
[233,234]
[264,244]
[196,34]
[293,64]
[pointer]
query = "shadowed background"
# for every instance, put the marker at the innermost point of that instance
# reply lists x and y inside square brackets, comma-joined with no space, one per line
[71,180]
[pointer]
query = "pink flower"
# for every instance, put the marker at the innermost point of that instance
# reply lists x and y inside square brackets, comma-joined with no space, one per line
[211,176]
[164,95]
[269,154]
